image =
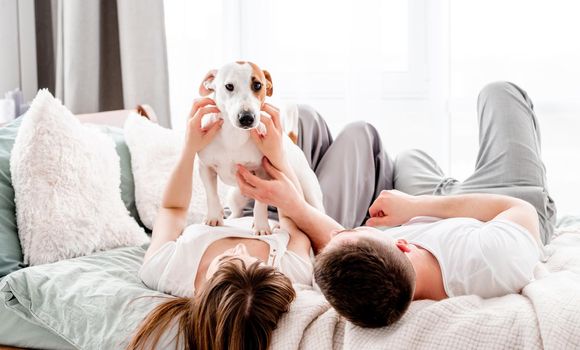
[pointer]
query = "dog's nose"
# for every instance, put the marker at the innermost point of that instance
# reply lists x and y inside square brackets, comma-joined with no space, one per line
[246,119]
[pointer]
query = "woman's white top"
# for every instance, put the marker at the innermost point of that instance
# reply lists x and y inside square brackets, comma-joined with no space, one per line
[173,268]
[489,259]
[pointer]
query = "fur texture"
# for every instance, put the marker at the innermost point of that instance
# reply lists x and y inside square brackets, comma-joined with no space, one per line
[154,152]
[66,179]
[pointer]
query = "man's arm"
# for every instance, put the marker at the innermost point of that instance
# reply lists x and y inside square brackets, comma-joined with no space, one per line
[282,193]
[393,208]
[315,224]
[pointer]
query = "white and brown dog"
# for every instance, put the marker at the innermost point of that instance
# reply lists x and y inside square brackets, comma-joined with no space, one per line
[239,90]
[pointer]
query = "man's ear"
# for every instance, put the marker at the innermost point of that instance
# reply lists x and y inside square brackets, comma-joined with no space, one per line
[403,245]
[269,86]
[207,87]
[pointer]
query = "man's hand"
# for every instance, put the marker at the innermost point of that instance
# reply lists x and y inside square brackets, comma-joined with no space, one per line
[271,143]
[278,191]
[196,137]
[392,208]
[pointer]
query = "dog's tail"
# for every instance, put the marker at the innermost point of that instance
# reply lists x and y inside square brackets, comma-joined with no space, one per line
[290,121]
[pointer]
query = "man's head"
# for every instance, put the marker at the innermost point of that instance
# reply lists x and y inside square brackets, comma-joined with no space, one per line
[367,279]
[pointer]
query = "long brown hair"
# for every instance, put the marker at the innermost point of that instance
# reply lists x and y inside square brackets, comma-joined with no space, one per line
[238,308]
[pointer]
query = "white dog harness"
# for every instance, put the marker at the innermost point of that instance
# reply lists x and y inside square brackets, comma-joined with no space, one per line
[173,268]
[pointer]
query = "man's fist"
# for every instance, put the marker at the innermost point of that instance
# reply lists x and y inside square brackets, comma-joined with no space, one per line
[392,208]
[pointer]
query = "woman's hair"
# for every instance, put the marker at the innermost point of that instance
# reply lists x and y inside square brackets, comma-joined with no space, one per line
[236,309]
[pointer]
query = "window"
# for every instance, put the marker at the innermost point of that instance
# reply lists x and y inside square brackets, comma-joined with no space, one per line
[412,68]
[323,49]
[315,49]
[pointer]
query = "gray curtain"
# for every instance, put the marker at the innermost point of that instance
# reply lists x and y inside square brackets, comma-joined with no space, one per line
[98,55]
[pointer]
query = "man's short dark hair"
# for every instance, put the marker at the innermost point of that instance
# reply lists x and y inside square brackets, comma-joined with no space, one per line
[369,282]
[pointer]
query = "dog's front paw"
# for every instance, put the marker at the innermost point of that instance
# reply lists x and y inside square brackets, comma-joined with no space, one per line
[262,229]
[214,220]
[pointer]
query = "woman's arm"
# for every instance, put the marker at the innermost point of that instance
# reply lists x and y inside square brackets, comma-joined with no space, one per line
[299,242]
[172,216]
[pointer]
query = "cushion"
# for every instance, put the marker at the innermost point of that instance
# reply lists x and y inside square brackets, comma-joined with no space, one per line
[66,180]
[27,333]
[10,252]
[127,182]
[92,302]
[154,152]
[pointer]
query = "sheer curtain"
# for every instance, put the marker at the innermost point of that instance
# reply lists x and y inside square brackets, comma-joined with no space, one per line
[534,44]
[413,68]
[379,61]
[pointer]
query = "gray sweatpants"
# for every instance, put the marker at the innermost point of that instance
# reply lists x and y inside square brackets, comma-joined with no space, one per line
[354,168]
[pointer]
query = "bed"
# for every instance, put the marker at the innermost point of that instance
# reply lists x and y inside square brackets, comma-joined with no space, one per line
[97,301]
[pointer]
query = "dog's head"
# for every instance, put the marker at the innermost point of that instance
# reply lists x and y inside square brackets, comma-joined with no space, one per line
[239,89]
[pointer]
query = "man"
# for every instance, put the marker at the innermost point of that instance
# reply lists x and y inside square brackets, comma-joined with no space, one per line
[480,236]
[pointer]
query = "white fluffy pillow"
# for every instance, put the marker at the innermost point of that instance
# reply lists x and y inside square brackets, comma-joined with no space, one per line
[66,179]
[154,152]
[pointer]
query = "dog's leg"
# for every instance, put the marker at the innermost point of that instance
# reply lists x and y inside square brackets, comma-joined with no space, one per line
[236,202]
[261,224]
[215,211]
[306,177]
[311,188]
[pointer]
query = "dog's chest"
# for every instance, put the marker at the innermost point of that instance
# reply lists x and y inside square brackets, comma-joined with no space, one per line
[223,157]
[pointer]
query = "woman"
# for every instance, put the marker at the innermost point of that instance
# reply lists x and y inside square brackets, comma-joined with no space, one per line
[230,286]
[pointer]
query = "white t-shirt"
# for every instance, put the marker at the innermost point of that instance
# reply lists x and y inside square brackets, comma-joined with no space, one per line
[173,268]
[489,259]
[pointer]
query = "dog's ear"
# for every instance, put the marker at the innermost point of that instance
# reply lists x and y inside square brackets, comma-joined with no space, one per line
[269,86]
[207,86]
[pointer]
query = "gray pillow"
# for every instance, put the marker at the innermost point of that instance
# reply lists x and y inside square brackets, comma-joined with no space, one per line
[92,302]
[10,251]
[16,331]
[127,182]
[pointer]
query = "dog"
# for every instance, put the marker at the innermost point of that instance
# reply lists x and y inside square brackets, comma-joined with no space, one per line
[239,90]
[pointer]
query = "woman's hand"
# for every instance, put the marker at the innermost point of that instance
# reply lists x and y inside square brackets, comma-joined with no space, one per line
[392,208]
[196,137]
[278,191]
[271,144]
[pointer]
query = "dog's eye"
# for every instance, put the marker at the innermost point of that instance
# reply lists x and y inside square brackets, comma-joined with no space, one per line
[230,87]
[257,86]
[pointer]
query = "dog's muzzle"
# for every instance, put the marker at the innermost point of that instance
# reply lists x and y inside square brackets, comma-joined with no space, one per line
[246,119]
